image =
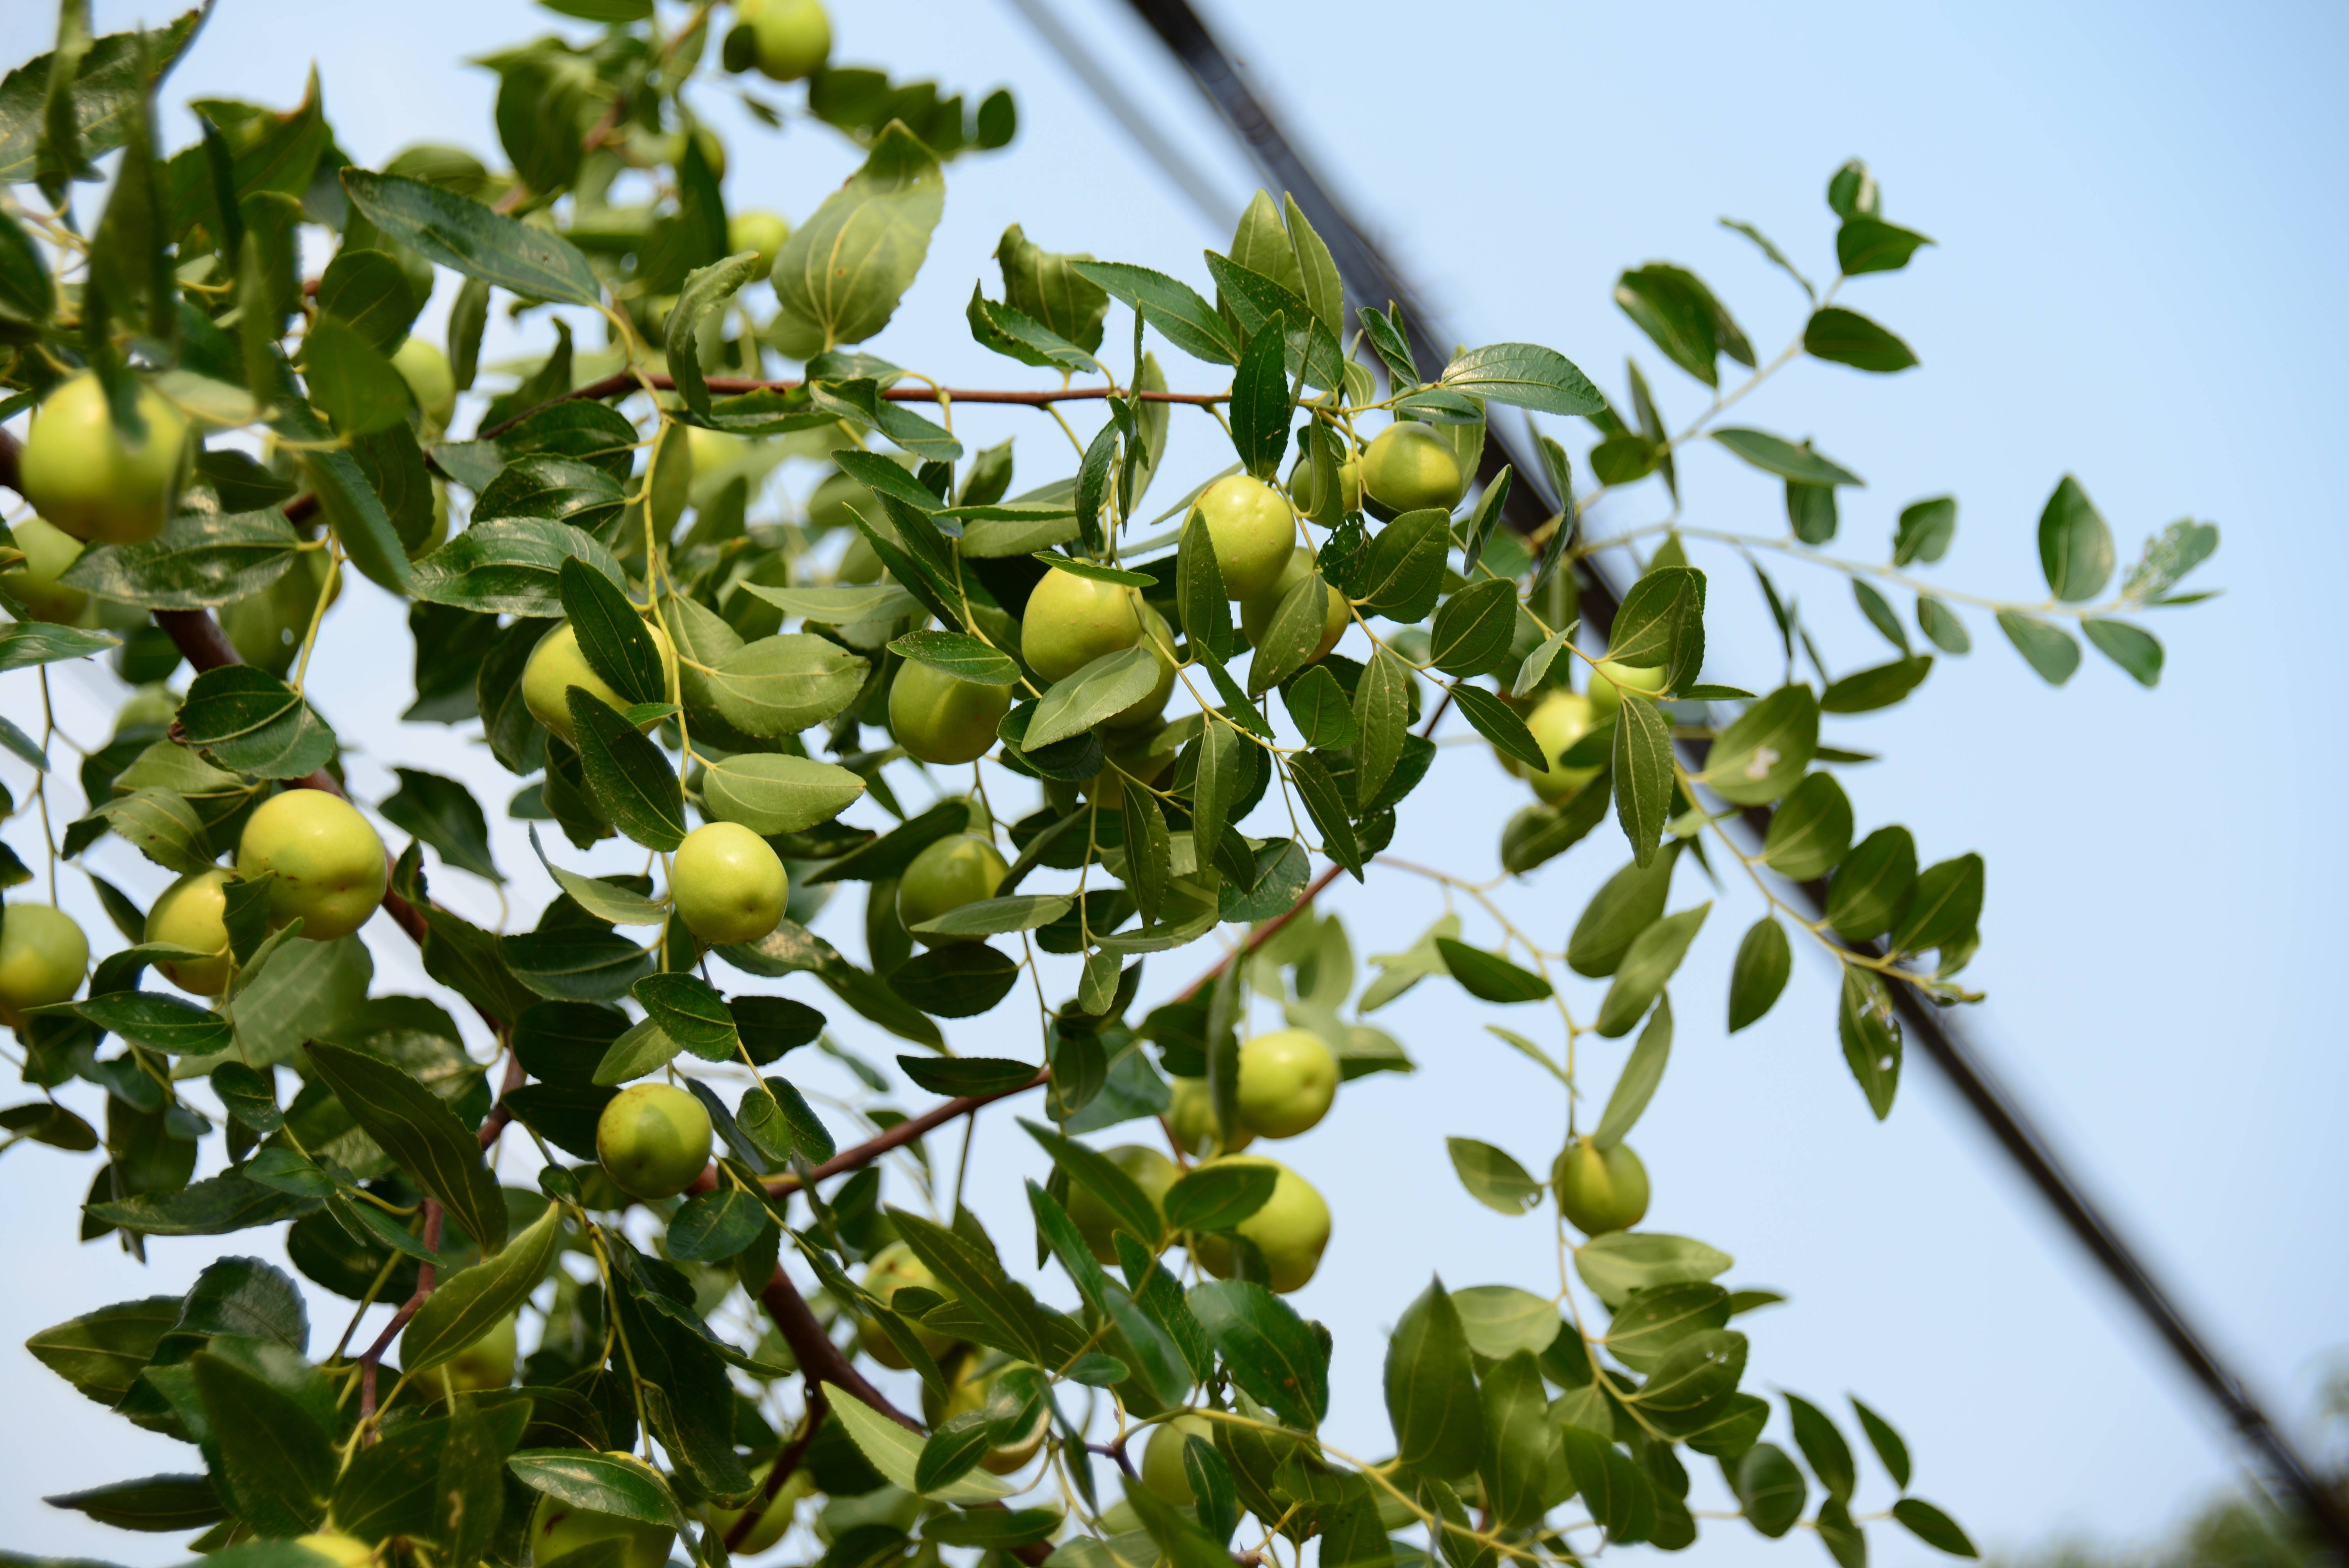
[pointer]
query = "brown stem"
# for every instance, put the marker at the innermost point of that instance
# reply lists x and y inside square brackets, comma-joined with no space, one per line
[621,381]
[818,1357]
[785,1462]
[897,1137]
[372,1357]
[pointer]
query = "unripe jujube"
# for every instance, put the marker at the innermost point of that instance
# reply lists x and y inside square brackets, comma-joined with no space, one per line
[328,861]
[653,1140]
[84,475]
[729,885]
[1408,467]
[1600,1190]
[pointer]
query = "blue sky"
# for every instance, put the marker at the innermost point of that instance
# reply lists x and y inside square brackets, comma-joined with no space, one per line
[2138,213]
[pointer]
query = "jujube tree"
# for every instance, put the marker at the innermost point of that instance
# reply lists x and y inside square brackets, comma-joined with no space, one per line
[1167,727]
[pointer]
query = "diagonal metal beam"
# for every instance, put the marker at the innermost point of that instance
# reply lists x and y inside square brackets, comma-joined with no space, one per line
[1996,1104]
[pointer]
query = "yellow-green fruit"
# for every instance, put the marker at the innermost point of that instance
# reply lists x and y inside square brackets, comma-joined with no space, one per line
[729,885]
[653,1140]
[713,450]
[791,38]
[48,551]
[972,1394]
[893,1268]
[188,914]
[959,869]
[1252,529]
[1152,1171]
[328,861]
[1290,1230]
[558,1527]
[1255,614]
[1288,1079]
[429,380]
[1409,467]
[488,1362]
[81,474]
[343,1551]
[1558,721]
[1610,680]
[1162,1458]
[942,719]
[556,665]
[1191,1117]
[762,232]
[1071,621]
[43,955]
[1600,1190]
[775,1519]
[1350,485]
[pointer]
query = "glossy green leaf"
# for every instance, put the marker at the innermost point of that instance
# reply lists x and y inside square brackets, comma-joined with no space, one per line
[1945,907]
[510,566]
[958,655]
[1271,1352]
[458,233]
[1176,309]
[1873,886]
[1775,455]
[1769,1490]
[199,560]
[472,1301]
[1217,1197]
[1637,1084]
[1764,962]
[1887,1443]
[1431,1389]
[420,1133]
[2135,650]
[1494,1178]
[1865,691]
[689,1010]
[1843,336]
[249,721]
[1934,1528]
[1925,531]
[1621,1263]
[633,782]
[1870,1036]
[1526,374]
[1489,977]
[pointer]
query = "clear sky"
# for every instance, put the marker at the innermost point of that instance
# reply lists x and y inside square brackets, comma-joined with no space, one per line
[2139,216]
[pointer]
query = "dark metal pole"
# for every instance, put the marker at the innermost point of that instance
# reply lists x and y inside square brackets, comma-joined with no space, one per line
[1370,278]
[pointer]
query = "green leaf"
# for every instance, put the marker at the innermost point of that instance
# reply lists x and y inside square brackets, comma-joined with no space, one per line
[1769,1490]
[249,721]
[633,782]
[2169,556]
[1526,374]
[274,1458]
[1326,807]
[1925,531]
[1497,722]
[442,813]
[1176,309]
[1622,1263]
[465,234]
[997,916]
[1260,402]
[1517,1429]
[1642,764]
[1012,332]
[977,1278]
[840,275]
[1823,1447]
[420,1133]
[510,566]
[100,1353]
[1293,635]
[1866,244]
[1217,1197]
[613,638]
[1500,1320]
[155,1502]
[1842,336]
[1489,977]
[367,290]
[992,1528]
[959,1076]
[553,489]
[1431,1388]
[24,643]
[707,289]
[1760,973]
[108,82]
[689,1010]
[1693,1380]
[1101,690]
[1661,624]
[1381,706]
[1868,690]
[1206,611]
[1623,907]
[199,560]
[1934,1528]
[896,1453]
[2135,650]
[351,379]
[472,1301]
[1473,628]
[1887,1443]
[1682,317]
[1775,455]
[963,656]
[780,686]
[150,1019]
[1131,1209]
[598,1483]
[1945,907]
[1273,1354]
[2047,648]
[601,898]
[1762,755]
[772,794]
[1871,1037]
[1636,1085]
[1873,886]
[211,1207]
[1493,1178]
[2076,547]
[1655,1320]
[1810,832]
[1403,573]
